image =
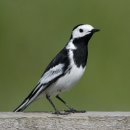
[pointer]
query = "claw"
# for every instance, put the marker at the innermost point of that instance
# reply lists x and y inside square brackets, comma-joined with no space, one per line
[60,113]
[75,111]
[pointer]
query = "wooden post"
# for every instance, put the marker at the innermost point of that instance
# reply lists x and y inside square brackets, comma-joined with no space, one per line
[76,121]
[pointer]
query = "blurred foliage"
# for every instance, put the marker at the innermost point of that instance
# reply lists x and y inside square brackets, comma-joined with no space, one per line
[32,32]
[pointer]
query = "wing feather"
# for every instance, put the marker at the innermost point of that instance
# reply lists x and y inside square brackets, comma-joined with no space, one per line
[55,69]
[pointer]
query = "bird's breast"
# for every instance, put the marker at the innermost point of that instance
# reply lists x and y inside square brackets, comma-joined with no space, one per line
[70,78]
[72,75]
[66,82]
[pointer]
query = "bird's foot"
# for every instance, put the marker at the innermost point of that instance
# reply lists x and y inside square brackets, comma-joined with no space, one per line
[61,113]
[75,111]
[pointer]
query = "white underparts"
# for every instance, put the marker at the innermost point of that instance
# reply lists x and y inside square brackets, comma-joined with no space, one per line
[67,81]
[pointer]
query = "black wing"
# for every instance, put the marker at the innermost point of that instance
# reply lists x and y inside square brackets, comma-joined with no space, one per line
[55,70]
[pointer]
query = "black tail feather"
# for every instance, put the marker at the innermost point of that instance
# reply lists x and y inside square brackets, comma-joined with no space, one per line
[31,97]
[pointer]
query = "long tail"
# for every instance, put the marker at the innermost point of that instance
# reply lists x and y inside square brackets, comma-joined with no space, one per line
[30,98]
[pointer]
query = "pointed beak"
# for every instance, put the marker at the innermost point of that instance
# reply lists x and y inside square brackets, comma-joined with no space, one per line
[95,30]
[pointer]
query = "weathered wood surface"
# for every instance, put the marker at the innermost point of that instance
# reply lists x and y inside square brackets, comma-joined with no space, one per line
[77,121]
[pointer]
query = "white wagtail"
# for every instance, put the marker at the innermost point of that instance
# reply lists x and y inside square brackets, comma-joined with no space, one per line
[64,70]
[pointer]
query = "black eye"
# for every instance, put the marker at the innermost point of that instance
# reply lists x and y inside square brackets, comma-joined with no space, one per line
[80,30]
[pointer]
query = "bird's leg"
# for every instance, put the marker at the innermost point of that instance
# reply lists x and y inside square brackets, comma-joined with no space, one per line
[52,104]
[56,111]
[70,108]
[58,97]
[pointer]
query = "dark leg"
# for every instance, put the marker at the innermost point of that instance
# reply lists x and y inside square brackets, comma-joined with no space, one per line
[58,97]
[70,108]
[56,111]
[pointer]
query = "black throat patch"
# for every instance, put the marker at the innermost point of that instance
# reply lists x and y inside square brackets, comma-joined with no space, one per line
[81,53]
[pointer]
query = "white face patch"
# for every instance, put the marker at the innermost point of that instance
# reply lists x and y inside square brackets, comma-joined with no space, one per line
[82,30]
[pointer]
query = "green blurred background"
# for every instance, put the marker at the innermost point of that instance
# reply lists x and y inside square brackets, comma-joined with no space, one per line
[33,31]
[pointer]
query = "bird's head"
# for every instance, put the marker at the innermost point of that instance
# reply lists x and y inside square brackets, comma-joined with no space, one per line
[83,30]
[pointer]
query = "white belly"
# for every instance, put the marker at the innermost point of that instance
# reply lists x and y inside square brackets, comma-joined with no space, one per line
[66,82]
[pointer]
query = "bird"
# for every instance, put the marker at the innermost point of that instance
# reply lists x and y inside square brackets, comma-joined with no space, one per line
[64,71]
